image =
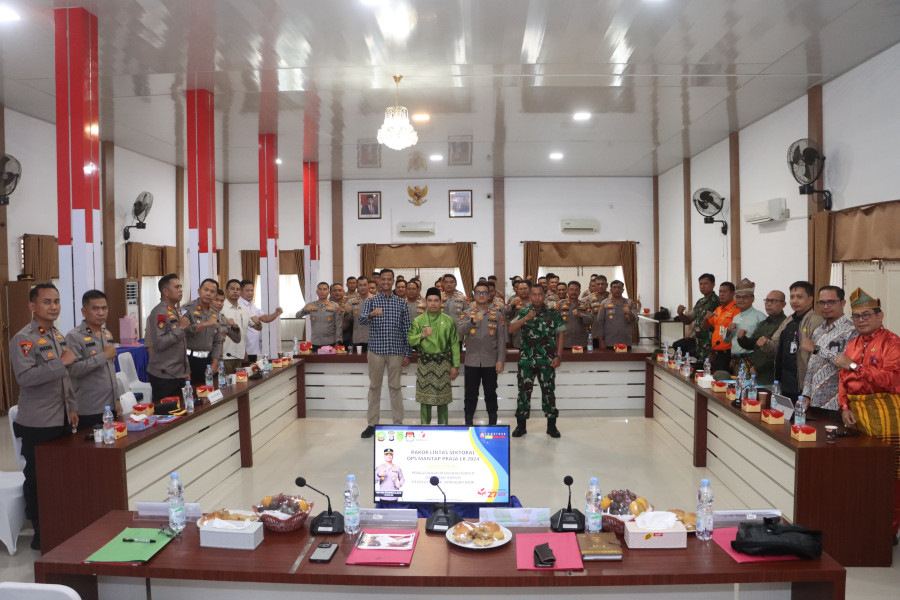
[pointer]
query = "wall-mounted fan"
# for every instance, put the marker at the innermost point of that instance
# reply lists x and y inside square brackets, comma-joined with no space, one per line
[10,173]
[806,161]
[709,203]
[139,212]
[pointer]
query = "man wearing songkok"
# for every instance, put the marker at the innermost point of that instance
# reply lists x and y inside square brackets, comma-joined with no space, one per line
[746,320]
[435,338]
[827,344]
[763,363]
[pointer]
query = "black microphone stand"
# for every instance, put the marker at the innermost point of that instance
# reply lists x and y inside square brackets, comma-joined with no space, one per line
[441,519]
[327,521]
[567,519]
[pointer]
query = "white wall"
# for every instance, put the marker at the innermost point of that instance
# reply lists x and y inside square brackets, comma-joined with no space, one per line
[623,205]
[710,250]
[773,255]
[862,129]
[671,239]
[396,208]
[32,207]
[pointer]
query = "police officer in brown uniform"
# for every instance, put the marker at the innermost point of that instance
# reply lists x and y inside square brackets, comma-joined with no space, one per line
[414,300]
[93,373]
[360,336]
[515,304]
[455,302]
[483,331]
[325,319]
[164,336]
[39,358]
[577,315]
[202,337]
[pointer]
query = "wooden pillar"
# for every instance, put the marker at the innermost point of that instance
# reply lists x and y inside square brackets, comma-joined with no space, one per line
[656,300]
[337,229]
[268,240]
[816,132]
[734,197]
[223,264]
[688,268]
[6,398]
[500,232]
[108,200]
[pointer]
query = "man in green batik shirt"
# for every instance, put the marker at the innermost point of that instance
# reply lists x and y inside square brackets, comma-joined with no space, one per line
[700,342]
[434,336]
[543,331]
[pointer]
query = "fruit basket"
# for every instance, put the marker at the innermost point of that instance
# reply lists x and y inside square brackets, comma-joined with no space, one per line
[619,507]
[283,513]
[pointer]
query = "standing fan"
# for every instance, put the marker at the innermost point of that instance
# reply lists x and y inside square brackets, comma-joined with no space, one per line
[805,160]
[10,173]
[139,212]
[709,203]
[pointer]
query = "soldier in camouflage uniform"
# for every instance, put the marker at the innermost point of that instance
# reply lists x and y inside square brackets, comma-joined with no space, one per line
[542,343]
[700,342]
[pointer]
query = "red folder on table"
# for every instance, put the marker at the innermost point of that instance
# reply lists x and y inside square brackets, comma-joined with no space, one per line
[564,546]
[387,547]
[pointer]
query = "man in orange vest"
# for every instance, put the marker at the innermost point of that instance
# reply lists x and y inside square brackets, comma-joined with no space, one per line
[718,321]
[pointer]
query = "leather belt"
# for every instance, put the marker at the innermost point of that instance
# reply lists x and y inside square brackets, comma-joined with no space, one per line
[198,353]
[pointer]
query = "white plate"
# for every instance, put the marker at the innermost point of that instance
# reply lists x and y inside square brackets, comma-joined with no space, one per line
[507,536]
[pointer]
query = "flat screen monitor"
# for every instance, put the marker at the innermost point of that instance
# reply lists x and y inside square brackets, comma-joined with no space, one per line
[472,463]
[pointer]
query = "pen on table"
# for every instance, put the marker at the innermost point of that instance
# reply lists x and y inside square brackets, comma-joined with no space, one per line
[138,540]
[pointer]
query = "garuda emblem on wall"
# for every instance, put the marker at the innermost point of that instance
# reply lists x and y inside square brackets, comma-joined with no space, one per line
[417,195]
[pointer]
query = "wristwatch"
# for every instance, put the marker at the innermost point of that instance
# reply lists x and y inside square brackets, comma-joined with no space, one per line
[816,349]
[853,366]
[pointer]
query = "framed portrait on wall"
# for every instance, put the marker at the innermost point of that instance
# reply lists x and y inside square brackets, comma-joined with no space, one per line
[460,203]
[459,151]
[368,154]
[369,205]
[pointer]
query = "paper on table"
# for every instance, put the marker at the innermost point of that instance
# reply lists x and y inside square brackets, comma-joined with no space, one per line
[117,551]
[725,535]
[516,517]
[564,546]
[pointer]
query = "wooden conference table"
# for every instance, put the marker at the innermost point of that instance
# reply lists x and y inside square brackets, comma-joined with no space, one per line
[281,565]
[810,482]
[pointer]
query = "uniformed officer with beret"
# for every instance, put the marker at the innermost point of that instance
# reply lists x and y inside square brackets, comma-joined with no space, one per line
[202,337]
[48,409]
[325,319]
[164,336]
[483,330]
[93,373]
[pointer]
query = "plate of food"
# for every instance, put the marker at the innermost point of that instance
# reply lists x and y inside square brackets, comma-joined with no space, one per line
[478,536]
[223,514]
[689,519]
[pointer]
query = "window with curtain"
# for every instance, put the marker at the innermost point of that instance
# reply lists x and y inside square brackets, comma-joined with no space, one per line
[290,296]
[149,299]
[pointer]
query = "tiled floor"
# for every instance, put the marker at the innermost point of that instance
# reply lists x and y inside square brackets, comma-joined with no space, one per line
[623,450]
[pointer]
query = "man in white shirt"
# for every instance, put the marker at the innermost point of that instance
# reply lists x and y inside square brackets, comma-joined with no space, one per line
[257,318]
[236,315]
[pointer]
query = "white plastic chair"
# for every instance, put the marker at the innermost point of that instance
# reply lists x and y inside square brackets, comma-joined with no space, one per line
[127,400]
[12,497]
[11,590]
[17,442]
[126,366]
[122,383]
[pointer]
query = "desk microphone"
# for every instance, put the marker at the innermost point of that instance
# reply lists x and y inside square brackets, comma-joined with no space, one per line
[327,521]
[566,519]
[441,519]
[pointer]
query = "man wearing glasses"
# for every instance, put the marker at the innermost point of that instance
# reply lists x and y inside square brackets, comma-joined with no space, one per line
[827,345]
[763,362]
[871,362]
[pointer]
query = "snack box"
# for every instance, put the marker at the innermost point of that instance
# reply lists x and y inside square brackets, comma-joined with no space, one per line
[773,417]
[143,409]
[719,386]
[305,347]
[803,433]
[121,429]
[620,347]
[750,406]
[731,392]
[277,363]
[671,364]
[203,391]
[240,377]
[232,539]
[638,538]
[339,350]
[577,349]
[659,357]
[326,350]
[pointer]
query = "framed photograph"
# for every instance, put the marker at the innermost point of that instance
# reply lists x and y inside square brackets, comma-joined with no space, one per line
[369,205]
[368,154]
[460,203]
[459,151]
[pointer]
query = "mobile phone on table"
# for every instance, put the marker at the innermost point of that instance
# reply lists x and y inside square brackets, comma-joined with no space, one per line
[323,552]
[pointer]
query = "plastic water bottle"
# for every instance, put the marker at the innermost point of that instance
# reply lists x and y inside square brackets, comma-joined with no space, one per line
[296,347]
[188,397]
[800,411]
[109,430]
[222,379]
[208,376]
[267,366]
[666,350]
[707,368]
[686,367]
[351,505]
[593,519]
[776,387]
[751,388]
[741,382]
[678,358]
[176,503]
[704,511]
[590,344]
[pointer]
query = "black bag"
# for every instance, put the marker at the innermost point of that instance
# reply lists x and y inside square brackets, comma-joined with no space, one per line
[772,538]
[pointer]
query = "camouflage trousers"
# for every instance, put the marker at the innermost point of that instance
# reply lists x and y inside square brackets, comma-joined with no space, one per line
[546,376]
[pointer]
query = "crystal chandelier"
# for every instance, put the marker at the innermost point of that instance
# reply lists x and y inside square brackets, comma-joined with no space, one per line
[396,133]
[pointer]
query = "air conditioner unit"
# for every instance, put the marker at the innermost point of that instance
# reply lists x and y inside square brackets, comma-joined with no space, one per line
[768,211]
[579,225]
[420,227]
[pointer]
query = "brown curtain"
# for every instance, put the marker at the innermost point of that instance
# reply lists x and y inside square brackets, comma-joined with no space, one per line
[574,254]
[366,258]
[867,233]
[41,253]
[466,268]
[415,255]
[169,260]
[822,248]
[250,265]
[532,260]
[222,267]
[147,260]
[290,262]
[134,256]
[628,260]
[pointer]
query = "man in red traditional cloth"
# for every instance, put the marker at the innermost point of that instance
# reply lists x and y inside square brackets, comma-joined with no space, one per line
[871,362]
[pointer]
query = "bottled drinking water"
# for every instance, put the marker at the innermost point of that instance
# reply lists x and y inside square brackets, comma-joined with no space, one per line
[176,503]
[188,397]
[593,519]
[296,347]
[267,366]
[686,367]
[776,387]
[208,376]
[223,381]
[666,350]
[751,388]
[704,511]
[678,358]
[590,344]
[351,505]
[707,368]
[109,430]
[800,411]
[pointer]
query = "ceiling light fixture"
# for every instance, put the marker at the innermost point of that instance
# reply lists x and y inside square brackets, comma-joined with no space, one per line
[436,157]
[396,133]
[8,15]
[556,155]
[581,116]
[421,117]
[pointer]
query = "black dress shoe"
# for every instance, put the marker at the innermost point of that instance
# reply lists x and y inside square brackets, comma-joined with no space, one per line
[552,431]
[36,543]
[520,429]
[368,432]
